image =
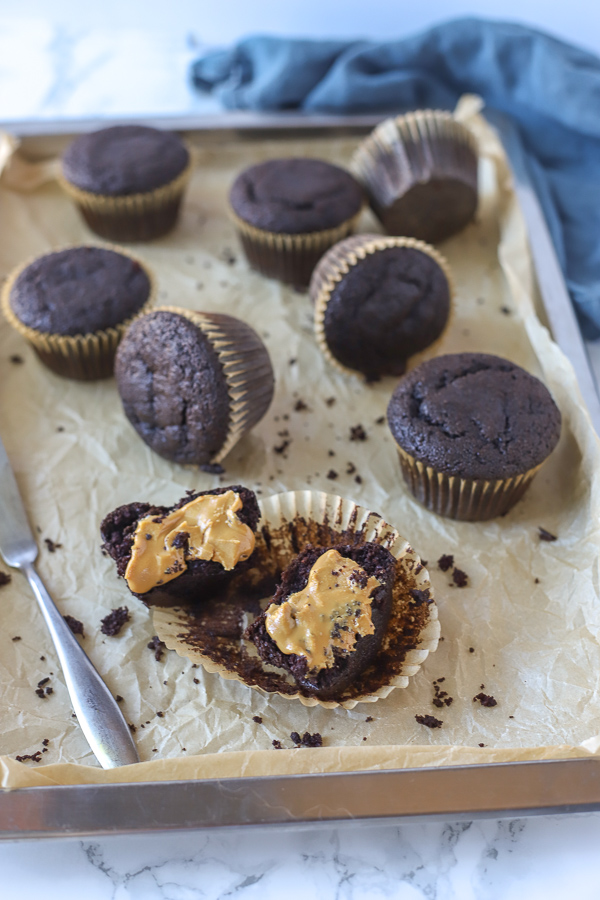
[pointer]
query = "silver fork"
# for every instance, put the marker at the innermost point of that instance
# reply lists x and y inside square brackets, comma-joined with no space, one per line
[96,709]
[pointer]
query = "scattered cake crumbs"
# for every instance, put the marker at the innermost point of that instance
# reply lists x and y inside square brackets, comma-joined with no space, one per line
[300,405]
[257,719]
[34,757]
[307,739]
[329,401]
[5,578]
[52,546]
[118,698]
[332,474]
[546,535]
[16,360]
[441,698]
[369,719]
[429,721]
[445,562]
[17,637]
[158,646]
[74,624]
[485,700]
[114,621]
[357,433]
[277,745]
[460,578]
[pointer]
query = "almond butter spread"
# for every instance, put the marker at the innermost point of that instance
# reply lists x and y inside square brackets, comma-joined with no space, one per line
[205,528]
[331,611]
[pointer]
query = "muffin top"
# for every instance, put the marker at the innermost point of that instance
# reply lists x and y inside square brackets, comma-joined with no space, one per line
[295,196]
[173,387]
[79,291]
[124,159]
[474,415]
[390,305]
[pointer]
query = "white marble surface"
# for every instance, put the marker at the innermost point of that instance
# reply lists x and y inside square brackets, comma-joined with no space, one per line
[63,68]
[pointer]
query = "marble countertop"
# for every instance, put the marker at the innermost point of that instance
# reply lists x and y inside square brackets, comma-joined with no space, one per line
[58,72]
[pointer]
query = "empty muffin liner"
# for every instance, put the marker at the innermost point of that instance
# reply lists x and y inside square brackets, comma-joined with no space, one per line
[290,258]
[338,261]
[246,366]
[466,499]
[410,151]
[85,357]
[132,217]
[210,634]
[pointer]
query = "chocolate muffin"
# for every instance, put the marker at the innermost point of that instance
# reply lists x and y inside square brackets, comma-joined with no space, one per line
[73,306]
[128,180]
[192,384]
[378,301]
[472,430]
[186,552]
[289,211]
[420,172]
[328,616]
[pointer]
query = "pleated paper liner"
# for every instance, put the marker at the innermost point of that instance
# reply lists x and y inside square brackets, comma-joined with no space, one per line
[338,261]
[420,172]
[290,258]
[246,366]
[132,217]
[210,633]
[85,357]
[465,499]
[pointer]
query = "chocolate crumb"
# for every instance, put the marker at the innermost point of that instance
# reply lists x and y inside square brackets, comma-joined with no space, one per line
[350,469]
[358,479]
[5,578]
[212,468]
[332,474]
[60,428]
[16,360]
[34,757]
[43,682]
[277,745]
[380,420]
[45,742]
[511,717]
[369,719]
[74,624]
[196,680]
[471,649]
[158,646]
[52,546]
[485,700]
[118,698]
[154,750]
[460,578]
[307,739]
[357,433]
[42,659]
[445,562]
[481,745]
[329,401]
[505,310]
[293,361]
[40,693]
[429,721]
[114,621]
[546,535]
[160,714]
[49,691]
[18,637]
[281,448]
[257,719]
[364,739]
[300,406]
[132,728]
[331,453]
[536,580]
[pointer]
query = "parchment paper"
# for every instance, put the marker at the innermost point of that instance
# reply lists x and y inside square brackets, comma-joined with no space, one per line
[530,612]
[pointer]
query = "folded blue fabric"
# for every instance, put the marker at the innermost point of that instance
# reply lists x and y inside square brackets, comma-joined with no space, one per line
[549,88]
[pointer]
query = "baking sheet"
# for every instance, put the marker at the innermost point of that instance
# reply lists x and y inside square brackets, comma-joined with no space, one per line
[535,645]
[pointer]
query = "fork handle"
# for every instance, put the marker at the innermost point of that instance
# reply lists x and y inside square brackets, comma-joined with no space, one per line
[100,718]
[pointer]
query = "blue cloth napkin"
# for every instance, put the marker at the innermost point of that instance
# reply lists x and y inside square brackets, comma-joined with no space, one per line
[550,89]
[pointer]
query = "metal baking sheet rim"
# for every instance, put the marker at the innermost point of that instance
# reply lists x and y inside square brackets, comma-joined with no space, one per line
[435,793]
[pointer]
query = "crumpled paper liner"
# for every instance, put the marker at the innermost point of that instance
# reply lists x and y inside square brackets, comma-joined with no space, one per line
[289,522]
[338,261]
[82,356]
[530,610]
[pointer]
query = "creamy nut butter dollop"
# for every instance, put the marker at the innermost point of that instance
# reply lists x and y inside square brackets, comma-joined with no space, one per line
[205,528]
[331,611]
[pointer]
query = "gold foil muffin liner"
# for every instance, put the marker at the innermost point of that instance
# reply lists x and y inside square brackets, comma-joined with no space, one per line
[338,261]
[85,357]
[466,499]
[210,634]
[409,151]
[246,366]
[132,217]
[290,258]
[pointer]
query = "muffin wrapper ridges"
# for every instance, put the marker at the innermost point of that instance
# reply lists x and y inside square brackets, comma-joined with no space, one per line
[288,523]
[413,149]
[465,499]
[133,217]
[290,258]
[85,357]
[246,366]
[338,261]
